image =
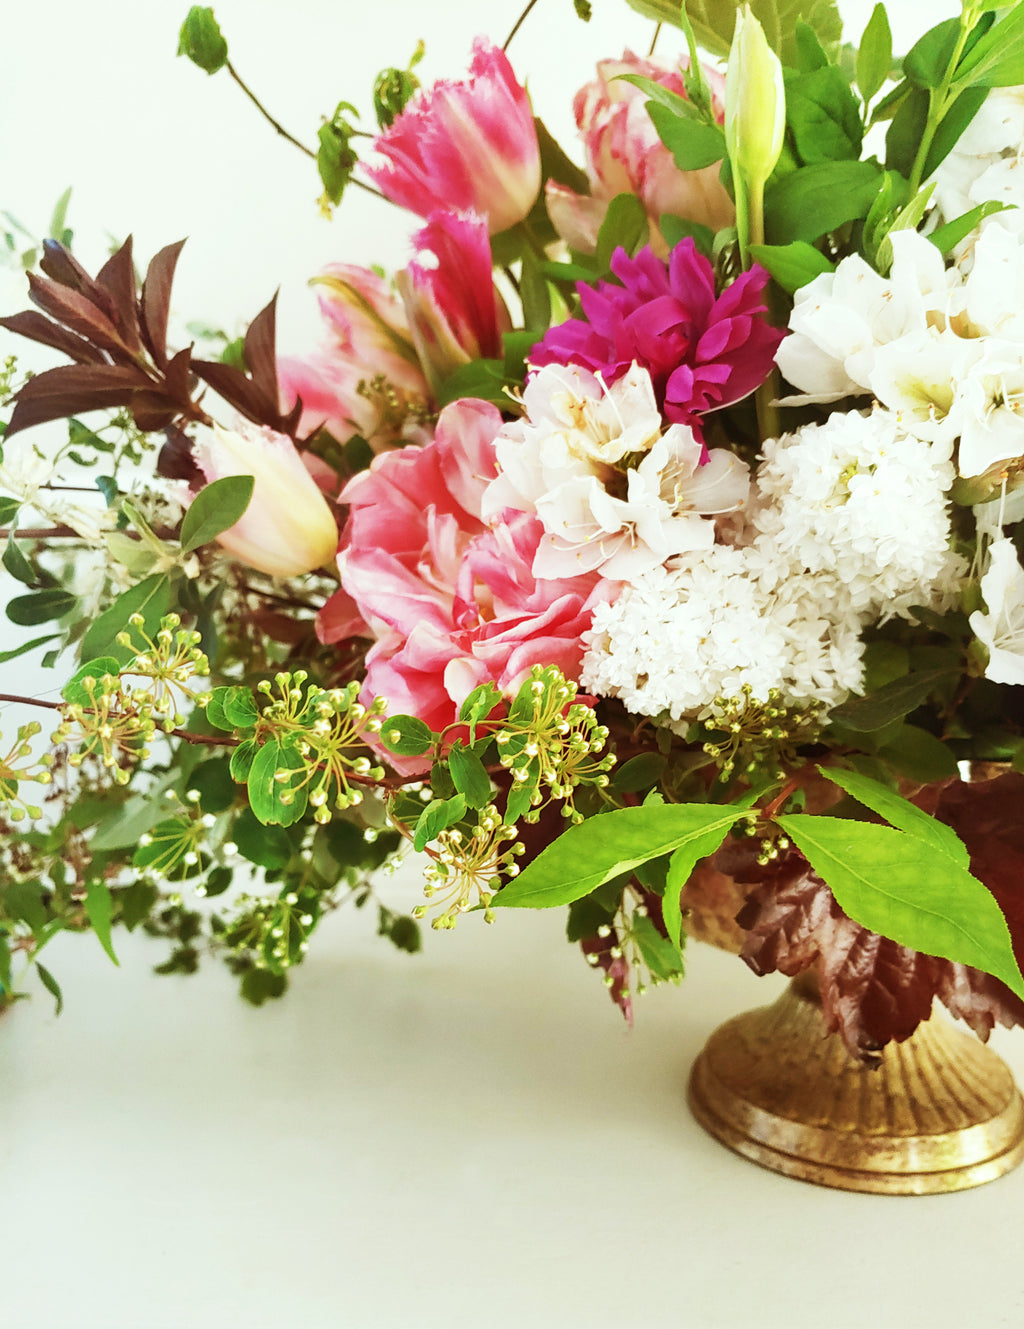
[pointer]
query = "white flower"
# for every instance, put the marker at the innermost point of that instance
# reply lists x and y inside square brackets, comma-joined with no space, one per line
[859,498]
[994,289]
[573,462]
[916,377]
[1001,627]
[988,407]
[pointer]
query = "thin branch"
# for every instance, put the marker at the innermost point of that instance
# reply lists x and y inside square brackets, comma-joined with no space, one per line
[266,114]
[518,24]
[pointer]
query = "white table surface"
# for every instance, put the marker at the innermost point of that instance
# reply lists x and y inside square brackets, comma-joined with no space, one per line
[467,1137]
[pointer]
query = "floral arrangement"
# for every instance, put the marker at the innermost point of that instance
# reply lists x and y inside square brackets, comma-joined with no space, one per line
[651,540]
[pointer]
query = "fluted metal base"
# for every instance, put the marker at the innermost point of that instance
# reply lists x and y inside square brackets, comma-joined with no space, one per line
[941,1113]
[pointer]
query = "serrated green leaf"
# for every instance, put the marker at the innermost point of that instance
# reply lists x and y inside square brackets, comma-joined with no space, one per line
[585,856]
[808,202]
[892,884]
[662,957]
[899,812]
[215,509]
[866,714]
[100,910]
[469,776]
[919,755]
[680,870]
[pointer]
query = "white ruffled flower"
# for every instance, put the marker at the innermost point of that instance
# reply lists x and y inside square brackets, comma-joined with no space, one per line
[859,498]
[1001,627]
[567,460]
[840,319]
[988,408]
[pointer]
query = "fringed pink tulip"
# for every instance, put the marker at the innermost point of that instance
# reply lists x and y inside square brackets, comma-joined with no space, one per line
[288,528]
[455,314]
[468,145]
[625,155]
[365,378]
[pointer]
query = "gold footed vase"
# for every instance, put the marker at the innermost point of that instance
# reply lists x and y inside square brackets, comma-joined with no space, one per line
[941,1113]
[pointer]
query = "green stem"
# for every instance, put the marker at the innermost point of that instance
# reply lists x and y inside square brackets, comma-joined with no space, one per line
[939,102]
[742,218]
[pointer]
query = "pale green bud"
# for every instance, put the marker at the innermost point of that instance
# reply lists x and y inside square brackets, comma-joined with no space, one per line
[755,101]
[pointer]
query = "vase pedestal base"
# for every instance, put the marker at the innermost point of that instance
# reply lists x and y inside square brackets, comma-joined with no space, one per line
[941,1112]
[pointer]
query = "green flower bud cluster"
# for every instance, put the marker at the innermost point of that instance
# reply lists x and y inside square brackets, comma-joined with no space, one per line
[759,739]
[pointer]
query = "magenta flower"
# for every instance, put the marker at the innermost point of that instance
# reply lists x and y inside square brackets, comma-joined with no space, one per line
[451,602]
[702,351]
[469,146]
[454,312]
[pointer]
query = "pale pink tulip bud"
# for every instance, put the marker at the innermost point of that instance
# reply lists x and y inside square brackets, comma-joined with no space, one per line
[288,528]
[625,155]
[466,145]
[455,313]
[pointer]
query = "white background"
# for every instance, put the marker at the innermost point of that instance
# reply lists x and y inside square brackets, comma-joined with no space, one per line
[466,1137]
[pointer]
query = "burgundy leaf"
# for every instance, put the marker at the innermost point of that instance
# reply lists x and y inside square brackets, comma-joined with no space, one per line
[117,278]
[153,410]
[156,299]
[71,389]
[38,328]
[76,312]
[240,392]
[178,378]
[260,353]
[176,462]
[61,266]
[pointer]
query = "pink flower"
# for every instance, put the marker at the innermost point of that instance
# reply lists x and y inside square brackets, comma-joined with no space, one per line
[455,314]
[451,602]
[469,146]
[702,351]
[288,528]
[626,156]
[365,379]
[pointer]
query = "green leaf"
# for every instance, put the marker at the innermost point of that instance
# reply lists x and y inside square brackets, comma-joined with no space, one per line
[406,735]
[680,869]
[810,52]
[8,509]
[892,884]
[469,776]
[52,986]
[24,647]
[336,159]
[534,292]
[793,265]
[99,908]
[484,379]
[997,59]
[692,143]
[40,606]
[437,816]
[556,165]
[874,55]
[17,564]
[900,813]
[639,773]
[926,62]
[267,846]
[277,801]
[478,706]
[677,229]
[661,956]
[946,238]
[814,199]
[906,131]
[907,219]
[150,598]
[23,900]
[215,509]
[892,702]
[126,822]
[242,759]
[240,709]
[589,854]
[74,692]
[213,782]
[260,985]
[822,116]
[625,226]
[202,41]
[714,22]
[918,754]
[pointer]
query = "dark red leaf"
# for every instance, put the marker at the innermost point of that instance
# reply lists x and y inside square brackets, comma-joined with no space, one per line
[156,299]
[260,352]
[71,389]
[117,278]
[176,462]
[76,312]
[152,410]
[60,265]
[36,327]
[178,378]
[240,392]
